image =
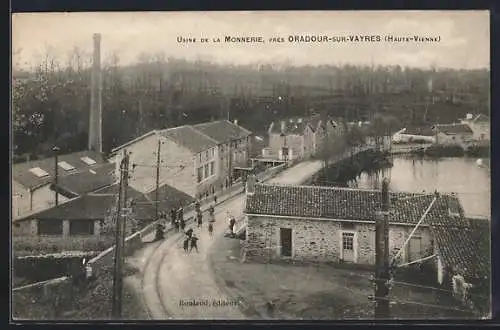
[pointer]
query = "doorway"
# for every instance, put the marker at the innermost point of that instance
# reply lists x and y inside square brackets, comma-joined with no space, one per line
[348,247]
[286,242]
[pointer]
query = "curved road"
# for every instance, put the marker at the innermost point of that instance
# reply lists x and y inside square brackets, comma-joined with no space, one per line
[176,285]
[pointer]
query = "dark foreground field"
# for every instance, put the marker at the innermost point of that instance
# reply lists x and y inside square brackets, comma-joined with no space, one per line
[318,292]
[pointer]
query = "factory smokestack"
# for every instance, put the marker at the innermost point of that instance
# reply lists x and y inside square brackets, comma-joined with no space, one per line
[95,120]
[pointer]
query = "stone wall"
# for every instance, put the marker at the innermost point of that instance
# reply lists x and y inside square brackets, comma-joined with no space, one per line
[321,240]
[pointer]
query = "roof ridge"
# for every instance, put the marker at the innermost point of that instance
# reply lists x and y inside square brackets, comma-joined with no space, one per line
[333,188]
[203,134]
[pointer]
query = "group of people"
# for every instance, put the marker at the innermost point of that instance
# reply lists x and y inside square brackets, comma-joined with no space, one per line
[191,241]
[177,218]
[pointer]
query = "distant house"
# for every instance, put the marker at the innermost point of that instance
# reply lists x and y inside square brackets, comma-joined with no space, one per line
[453,134]
[194,160]
[234,144]
[480,126]
[299,138]
[78,173]
[337,224]
[414,135]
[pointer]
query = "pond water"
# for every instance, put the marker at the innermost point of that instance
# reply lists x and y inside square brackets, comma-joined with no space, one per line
[463,176]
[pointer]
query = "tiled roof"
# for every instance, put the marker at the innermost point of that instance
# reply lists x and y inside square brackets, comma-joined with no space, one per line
[222,131]
[169,197]
[342,203]
[292,126]
[87,181]
[22,175]
[189,138]
[424,131]
[95,206]
[453,129]
[464,245]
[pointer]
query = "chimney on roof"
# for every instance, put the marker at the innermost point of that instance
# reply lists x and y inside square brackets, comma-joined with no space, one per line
[236,121]
[250,186]
[95,120]
[283,126]
[468,116]
[299,120]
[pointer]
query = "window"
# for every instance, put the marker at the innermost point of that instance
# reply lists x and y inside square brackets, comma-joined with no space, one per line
[200,174]
[212,168]
[81,227]
[50,227]
[66,166]
[206,171]
[39,172]
[348,241]
[88,160]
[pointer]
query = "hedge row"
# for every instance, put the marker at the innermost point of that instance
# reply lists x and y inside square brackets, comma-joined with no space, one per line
[38,245]
[42,268]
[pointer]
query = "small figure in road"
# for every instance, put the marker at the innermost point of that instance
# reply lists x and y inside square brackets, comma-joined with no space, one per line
[200,219]
[194,243]
[180,213]
[173,214]
[232,223]
[211,210]
[177,225]
[186,244]
[210,229]
[160,232]
[215,199]
[189,232]
[182,224]
[197,206]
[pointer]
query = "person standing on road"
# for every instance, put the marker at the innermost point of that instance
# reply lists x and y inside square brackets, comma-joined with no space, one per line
[194,243]
[215,198]
[197,206]
[200,219]
[182,224]
[232,223]
[210,229]
[186,244]
[173,214]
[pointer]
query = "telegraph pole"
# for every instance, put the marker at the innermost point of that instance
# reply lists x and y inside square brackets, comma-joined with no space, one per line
[157,179]
[382,256]
[56,172]
[120,231]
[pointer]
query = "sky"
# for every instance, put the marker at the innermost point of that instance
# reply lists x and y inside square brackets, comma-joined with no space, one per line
[464,36]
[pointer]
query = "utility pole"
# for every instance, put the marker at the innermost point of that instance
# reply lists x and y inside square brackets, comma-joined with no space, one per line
[56,172]
[157,179]
[119,239]
[382,256]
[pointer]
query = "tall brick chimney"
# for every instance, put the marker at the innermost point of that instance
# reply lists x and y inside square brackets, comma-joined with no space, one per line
[95,120]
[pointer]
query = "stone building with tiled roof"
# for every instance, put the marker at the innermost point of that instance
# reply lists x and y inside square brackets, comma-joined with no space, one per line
[78,173]
[300,138]
[453,134]
[86,215]
[336,224]
[331,224]
[194,159]
[234,144]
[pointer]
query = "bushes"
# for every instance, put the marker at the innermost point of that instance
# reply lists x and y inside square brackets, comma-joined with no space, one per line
[37,245]
[42,268]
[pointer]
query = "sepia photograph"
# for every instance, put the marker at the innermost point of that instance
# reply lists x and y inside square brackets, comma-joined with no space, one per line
[250,165]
